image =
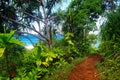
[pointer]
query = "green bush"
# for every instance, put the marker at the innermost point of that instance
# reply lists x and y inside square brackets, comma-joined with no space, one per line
[109,68]
[40,62]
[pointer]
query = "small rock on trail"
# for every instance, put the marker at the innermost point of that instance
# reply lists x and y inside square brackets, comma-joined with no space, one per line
[86,70]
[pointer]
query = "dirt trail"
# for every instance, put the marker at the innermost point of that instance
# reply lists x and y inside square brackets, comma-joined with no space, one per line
[86,70]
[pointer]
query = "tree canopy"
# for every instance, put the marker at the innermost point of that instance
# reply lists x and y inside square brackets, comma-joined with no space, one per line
[80,19]
[20,14]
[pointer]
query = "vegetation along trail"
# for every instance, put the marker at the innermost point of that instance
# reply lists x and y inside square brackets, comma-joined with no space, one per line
[86,70]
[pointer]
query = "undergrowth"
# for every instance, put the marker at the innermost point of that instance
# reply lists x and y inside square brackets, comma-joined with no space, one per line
[109,67]
[63,72]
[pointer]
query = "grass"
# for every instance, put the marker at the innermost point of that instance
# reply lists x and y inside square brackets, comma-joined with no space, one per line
[109,68]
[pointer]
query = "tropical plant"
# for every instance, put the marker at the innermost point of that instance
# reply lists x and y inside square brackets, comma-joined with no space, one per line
[80,19]
[110,32]
[40,62]
[109,47]
[6,41]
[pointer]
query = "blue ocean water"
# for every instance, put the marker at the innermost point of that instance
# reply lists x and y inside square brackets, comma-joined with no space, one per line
[27,41]
[58,36]
[34,39]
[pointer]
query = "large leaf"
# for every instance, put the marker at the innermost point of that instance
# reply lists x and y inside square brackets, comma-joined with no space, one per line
[2,51]
[16,41]
[7,39]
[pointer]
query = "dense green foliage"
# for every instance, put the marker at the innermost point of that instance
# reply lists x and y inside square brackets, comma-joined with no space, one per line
[56,61]
[110,33]
[80,20]
[110,47]
[6,39]
[39,63]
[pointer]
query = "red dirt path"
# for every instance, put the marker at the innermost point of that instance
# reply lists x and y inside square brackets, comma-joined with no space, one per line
[86,70]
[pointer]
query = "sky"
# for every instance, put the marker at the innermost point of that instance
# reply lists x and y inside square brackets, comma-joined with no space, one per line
[99,22]
[63,6]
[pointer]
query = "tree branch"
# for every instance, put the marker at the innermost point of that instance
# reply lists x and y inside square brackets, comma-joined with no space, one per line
[34,17]
[39,16]
[50,7]
[24,26]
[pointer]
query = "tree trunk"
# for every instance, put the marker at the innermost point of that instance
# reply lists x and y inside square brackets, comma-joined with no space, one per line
[48,28]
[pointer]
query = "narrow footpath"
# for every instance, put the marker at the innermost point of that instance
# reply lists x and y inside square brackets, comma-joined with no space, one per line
[86,70]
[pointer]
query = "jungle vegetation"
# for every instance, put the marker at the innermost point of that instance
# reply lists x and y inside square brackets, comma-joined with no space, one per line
[52,59]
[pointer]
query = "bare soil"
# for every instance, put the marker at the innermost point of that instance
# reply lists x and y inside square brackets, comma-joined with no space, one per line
[86,70]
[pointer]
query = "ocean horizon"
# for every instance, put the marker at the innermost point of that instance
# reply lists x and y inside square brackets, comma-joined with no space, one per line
[29,45]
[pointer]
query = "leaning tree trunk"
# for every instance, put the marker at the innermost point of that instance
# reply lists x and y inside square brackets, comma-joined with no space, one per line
[48,28]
